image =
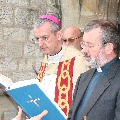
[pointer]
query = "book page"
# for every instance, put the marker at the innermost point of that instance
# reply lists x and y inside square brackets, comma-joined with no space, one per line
[5,81]
[24,83]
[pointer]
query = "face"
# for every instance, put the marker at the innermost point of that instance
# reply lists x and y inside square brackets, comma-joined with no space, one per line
[94,52]
[72,37]
[48,41]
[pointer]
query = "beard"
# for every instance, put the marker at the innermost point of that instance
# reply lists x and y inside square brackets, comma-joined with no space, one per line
[98,61]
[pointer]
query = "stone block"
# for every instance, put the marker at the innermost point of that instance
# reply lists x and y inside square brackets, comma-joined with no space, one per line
[9,115]
[31,36]
[26,64]
[8,64]
[1,34]
[24,75]
[1,92]
[14,49]
[39,2]
[31,49]
[6,15]
[7,104]
[17,34]
[8,108]
[19,2]
[25,17]
[3,50]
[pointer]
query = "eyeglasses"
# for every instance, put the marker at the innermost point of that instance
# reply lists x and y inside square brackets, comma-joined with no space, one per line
[70,40]
[43,38]
[87,44]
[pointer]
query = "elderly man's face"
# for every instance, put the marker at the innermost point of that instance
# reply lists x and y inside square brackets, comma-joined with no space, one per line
[92,48]
[72,36]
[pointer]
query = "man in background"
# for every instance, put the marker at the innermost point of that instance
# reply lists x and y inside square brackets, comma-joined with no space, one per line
[72,36]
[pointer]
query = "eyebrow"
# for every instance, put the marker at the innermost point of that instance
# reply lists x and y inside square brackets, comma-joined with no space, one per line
[89,43]
[43,36]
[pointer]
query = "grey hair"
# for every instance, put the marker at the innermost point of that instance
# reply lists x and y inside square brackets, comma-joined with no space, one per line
[54,27]
[108,33]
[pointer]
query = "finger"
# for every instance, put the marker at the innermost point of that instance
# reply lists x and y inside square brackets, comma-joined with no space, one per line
[20,111]
[19,116]
[40,116]
[43,113]
[27,117]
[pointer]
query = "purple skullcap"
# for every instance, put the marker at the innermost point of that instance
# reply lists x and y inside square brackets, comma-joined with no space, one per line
[52,18]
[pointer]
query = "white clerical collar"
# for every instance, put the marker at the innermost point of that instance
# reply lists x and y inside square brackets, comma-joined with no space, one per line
[55,58]
[99,69]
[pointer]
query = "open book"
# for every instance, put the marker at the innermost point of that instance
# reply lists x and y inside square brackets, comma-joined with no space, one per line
[31,98]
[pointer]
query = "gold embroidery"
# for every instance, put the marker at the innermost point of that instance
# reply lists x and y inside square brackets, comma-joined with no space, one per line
[64,89]
[41,72]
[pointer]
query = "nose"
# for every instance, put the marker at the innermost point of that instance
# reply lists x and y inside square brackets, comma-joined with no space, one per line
[68,43]
[41,42]
[85,49]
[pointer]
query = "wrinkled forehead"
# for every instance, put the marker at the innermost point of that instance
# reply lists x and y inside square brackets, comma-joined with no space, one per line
[43,30]
[92,35]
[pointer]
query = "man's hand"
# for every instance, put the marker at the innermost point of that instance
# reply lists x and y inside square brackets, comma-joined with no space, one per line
[38,117]
[19,116]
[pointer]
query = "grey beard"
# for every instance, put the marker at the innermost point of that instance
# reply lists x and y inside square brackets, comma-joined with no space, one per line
[95,63]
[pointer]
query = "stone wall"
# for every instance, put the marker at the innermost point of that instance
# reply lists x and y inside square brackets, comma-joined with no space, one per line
[18,52]
[80,12]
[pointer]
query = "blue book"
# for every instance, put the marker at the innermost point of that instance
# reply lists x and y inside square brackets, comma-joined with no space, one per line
[30,97]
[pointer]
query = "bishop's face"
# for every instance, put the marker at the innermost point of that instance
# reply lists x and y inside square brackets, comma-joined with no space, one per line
[48,41]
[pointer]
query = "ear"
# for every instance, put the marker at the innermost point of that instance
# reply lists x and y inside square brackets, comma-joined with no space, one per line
[109,48]
[59,34]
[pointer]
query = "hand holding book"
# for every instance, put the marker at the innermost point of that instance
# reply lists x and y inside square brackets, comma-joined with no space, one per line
[31,98]
[38,117]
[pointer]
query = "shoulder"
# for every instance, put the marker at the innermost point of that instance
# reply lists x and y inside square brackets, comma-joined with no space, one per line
[70,52]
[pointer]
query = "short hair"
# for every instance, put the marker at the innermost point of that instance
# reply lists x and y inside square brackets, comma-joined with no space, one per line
[54,27]
[108,34]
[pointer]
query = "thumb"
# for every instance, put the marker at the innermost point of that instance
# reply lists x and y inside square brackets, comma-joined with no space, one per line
[20,111]
[19,116]
[45,112]
[40,116]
